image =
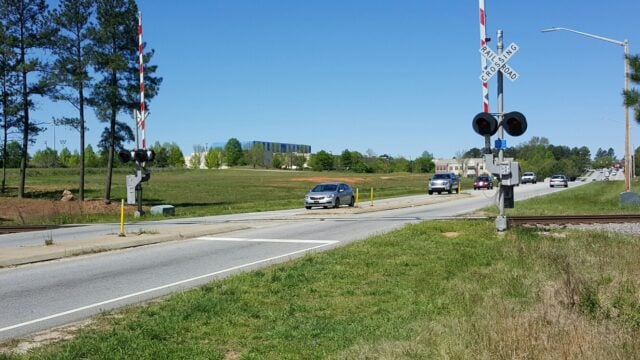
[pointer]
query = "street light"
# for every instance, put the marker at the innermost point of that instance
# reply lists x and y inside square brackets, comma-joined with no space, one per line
[625,44]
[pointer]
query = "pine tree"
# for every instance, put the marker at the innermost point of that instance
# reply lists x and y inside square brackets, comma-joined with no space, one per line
[72,47]
[27,30]
[9,100]
[632,96]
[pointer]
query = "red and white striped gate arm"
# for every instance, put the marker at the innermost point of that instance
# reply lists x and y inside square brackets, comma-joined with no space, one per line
[483,60]
[140,51]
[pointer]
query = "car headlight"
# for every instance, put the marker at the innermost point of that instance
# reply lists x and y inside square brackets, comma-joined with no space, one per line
[330,196]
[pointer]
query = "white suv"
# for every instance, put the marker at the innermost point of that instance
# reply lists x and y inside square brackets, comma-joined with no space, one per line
[529,177]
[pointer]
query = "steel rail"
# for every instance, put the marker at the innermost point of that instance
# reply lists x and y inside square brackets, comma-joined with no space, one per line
[24,228]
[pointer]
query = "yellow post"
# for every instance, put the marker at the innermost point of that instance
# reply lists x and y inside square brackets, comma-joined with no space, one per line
[357,196]
[121,218]
[371,196]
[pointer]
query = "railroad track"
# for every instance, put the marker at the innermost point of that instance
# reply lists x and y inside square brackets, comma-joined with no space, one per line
[573,219]
[24,228]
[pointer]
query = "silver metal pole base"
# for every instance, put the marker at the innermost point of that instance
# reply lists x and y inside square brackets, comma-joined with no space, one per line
[501,223]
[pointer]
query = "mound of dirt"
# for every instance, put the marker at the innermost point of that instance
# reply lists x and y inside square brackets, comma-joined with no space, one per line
[29,211]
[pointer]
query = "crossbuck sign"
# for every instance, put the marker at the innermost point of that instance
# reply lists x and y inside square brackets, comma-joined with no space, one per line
[499,62]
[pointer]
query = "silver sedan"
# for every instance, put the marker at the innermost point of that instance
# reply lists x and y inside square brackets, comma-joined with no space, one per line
[331,194]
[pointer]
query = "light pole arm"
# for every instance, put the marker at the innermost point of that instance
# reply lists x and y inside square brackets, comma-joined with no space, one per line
[617,42]
[627,142]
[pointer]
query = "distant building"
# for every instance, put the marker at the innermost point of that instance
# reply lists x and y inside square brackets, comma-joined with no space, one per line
[471,167]
[269,147]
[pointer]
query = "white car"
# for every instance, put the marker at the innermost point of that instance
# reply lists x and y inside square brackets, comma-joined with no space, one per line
[529,177]
[559,180]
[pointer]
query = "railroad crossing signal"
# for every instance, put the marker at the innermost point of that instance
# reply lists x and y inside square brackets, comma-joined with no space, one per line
[485,124]
[514,123]
[499,62]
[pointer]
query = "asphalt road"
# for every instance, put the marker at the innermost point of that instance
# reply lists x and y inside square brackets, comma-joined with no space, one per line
[44,295]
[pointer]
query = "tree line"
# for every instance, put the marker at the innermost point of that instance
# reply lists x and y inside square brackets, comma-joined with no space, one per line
[83,52]
[545,159]
[168,155]
[232,154]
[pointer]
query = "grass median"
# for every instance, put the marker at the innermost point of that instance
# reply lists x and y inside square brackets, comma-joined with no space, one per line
[597,197]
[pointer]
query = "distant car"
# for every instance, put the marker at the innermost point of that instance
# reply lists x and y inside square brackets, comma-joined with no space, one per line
[558,180]
[440,182]
[529,177]
[483,182]
[331,194]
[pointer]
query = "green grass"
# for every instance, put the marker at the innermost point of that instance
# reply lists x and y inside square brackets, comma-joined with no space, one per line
[207,192]
[440,289]
[598,197]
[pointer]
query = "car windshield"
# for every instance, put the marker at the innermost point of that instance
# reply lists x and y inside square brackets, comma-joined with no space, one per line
[325,188]
[558,177]
[482,178]
[528,174]
[441,176]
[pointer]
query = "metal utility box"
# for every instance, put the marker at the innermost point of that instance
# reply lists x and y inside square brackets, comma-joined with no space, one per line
[510,173]
[132,183]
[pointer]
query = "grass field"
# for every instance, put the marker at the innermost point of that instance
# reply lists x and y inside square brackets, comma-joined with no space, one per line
[439,289]
[192,192]
[598,197]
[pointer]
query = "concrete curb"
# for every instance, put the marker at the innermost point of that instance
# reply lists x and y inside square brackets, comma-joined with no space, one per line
[32,254]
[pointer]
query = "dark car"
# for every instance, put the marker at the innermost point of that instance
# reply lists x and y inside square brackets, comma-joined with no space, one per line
[330,194]
[483,182]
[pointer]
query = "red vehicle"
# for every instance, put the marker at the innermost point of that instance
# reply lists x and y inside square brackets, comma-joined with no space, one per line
[483,182]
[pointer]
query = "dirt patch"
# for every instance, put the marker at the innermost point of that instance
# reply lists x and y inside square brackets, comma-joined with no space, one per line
[29,211]
[42,338]
[451,234]
[349,180]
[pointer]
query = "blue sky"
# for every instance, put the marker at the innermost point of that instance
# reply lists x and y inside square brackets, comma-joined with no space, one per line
[398,76]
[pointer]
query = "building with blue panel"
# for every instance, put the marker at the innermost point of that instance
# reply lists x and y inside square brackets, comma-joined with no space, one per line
[271,148]
[275,147]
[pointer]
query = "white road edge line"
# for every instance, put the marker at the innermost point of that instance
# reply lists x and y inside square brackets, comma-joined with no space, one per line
[31,322]
[210,238]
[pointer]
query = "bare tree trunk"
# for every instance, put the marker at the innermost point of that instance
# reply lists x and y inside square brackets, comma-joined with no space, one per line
[25,130]
[81,188]
[5,133]
[112,140]
[4,153]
